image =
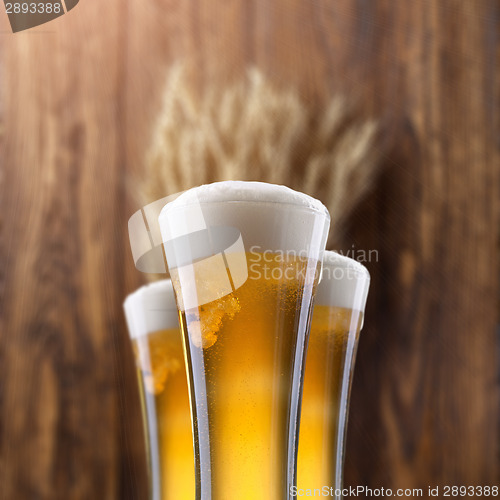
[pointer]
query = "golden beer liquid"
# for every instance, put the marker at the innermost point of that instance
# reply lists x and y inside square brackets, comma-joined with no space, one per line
[329,365]
[162,378]
[242,351]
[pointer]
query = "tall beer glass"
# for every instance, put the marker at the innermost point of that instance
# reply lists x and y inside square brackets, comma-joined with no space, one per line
[244,258]
[153,323]
[337,321]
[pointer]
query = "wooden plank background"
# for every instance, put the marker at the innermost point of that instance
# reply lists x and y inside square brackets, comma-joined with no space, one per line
[78,99]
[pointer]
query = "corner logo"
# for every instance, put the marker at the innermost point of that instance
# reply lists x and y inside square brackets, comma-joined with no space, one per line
[26,14]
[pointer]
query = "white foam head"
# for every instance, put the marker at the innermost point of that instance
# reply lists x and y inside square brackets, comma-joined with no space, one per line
[216,225]
[260,192]
[275,217]
[344,283]
[151,308]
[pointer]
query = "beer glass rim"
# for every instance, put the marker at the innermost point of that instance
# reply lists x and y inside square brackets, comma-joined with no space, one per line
[332,259]
[344,282]
[151,308]
[236,192]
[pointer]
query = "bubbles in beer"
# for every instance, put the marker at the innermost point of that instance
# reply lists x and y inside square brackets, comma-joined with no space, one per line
[205,323]
[325,316]
[159,360]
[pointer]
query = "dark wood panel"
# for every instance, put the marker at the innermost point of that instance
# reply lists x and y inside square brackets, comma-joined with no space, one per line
[79,100]
[425,399]
[62,259]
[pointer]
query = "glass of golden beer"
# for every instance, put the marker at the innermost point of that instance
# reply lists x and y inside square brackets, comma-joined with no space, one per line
[337,320]
[244,258]
[153,324]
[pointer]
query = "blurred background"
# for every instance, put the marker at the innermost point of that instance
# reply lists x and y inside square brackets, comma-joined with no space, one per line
[80,97]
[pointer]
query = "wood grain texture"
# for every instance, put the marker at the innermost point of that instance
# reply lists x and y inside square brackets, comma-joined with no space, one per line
[79,97]
[62,259]
[428,365]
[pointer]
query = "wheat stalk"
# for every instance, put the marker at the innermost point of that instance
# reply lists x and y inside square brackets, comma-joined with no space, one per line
[252,130]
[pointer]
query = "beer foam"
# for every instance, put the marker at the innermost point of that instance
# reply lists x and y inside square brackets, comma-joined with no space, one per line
[344,282]
[151,308]
[201,221]
[246,191]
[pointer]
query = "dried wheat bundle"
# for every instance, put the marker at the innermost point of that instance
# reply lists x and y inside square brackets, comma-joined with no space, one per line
[253,131]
